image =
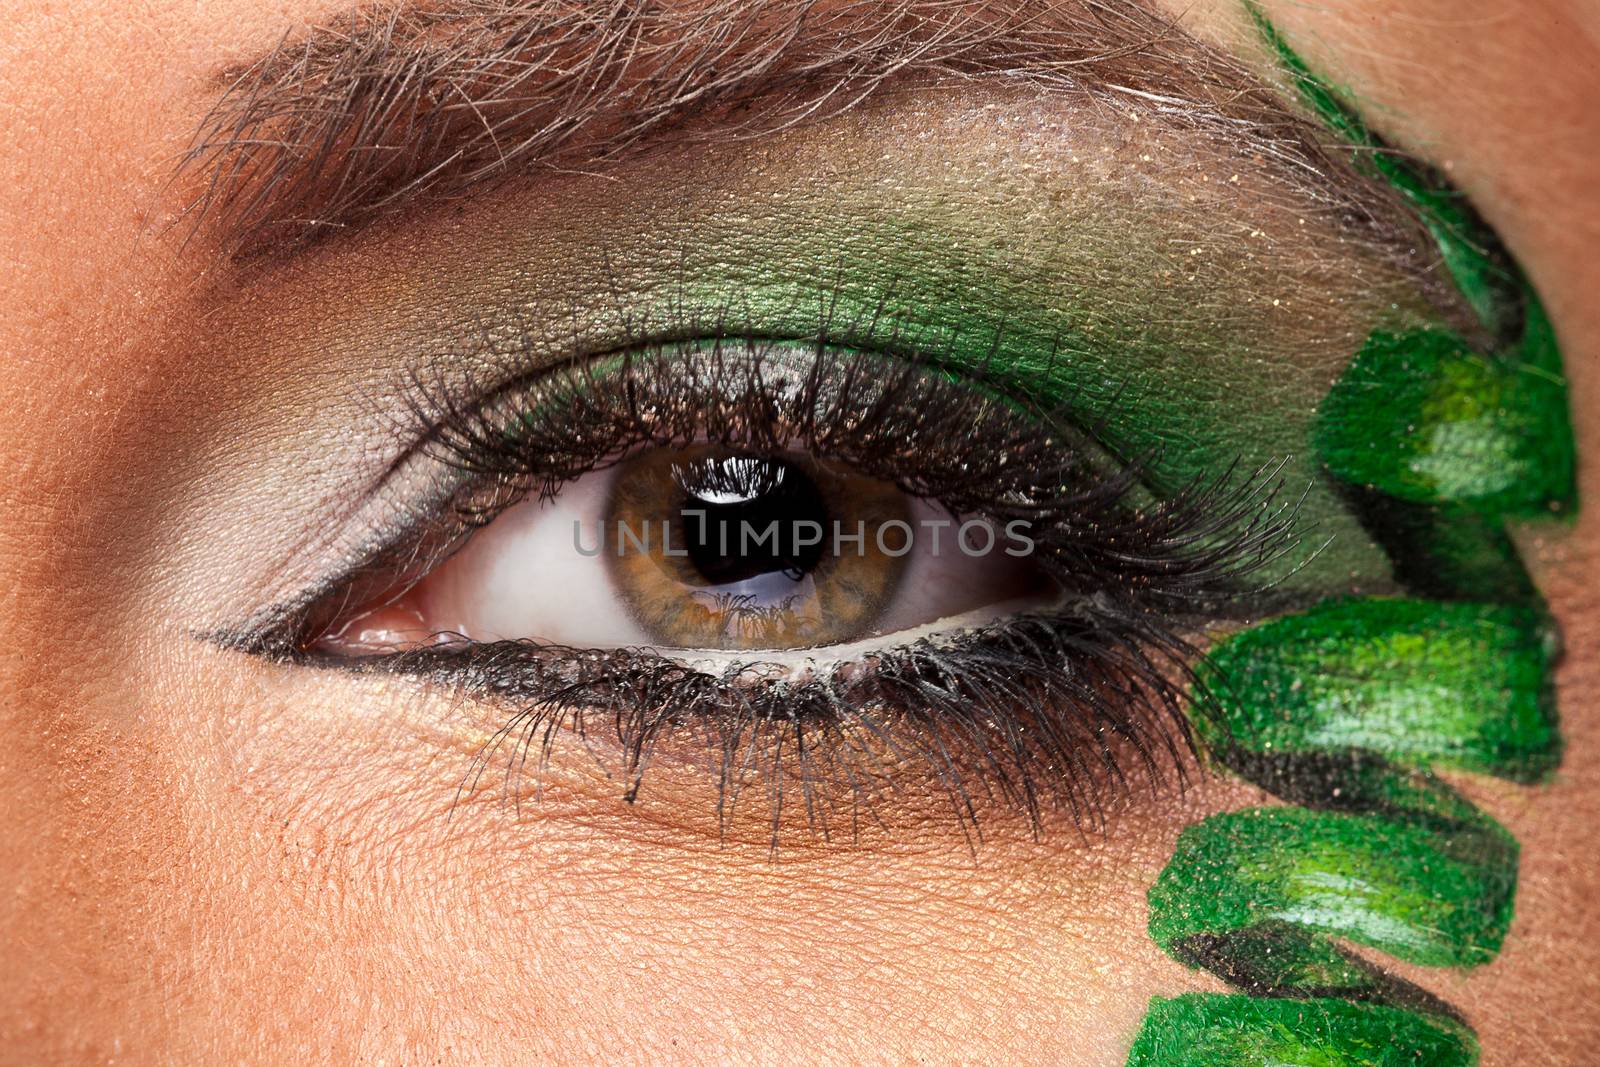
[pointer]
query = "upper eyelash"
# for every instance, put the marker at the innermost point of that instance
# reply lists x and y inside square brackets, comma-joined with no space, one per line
[893,418]
[445,422]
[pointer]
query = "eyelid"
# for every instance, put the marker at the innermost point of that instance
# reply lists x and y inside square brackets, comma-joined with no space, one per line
[1038,709]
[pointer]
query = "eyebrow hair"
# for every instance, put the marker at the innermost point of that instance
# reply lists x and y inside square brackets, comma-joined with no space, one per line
[390,106]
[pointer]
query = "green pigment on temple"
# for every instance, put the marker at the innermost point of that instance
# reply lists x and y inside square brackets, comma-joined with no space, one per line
[1428,416]
[1342,711]
[1469,249]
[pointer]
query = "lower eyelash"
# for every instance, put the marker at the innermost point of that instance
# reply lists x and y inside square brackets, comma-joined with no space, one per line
[1036,712]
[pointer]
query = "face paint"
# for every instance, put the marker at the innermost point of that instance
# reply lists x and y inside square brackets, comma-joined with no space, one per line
[1469,251]
[1436,439]
[1404,866]
[1457,685]
[1229,1031]
[1424,418]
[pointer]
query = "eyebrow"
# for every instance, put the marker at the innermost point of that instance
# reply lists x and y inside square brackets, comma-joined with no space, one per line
[382,109]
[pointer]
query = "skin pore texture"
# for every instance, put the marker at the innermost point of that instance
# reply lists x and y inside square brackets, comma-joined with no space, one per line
[211,858]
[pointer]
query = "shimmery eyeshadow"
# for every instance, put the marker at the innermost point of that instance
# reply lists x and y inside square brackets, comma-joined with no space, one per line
[1158,311]
[1457,685]
[1191,307]
[1229,1031]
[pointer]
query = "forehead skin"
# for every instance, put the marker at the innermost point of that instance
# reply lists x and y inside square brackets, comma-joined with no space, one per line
[144,931]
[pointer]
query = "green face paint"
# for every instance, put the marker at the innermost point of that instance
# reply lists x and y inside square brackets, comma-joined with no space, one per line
[1370,852]
[1233,1030]
[1424,418]
[1457,685]
[1434,893]
[1435,439]
[1470,251]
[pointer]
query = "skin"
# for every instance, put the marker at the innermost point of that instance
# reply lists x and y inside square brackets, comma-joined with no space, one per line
[214,863]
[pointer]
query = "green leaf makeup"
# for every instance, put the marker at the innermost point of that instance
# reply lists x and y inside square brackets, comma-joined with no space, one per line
[1261,393]
[1345,710]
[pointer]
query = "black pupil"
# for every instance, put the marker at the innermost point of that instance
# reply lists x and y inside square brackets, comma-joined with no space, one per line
[745,516]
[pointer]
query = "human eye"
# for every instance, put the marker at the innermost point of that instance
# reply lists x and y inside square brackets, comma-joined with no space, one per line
[851,551]
[778,531]
[1238,404]
[732,495]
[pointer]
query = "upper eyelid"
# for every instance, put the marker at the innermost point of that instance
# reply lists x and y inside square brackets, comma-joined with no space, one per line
[480,345]
[391,516]
[430,86]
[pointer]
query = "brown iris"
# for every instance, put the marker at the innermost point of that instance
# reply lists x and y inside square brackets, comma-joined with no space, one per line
[712,548]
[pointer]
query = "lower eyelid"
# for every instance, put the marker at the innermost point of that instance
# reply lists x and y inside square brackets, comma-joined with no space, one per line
[801,664]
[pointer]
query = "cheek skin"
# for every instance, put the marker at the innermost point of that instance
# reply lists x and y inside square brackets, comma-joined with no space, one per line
[582,930]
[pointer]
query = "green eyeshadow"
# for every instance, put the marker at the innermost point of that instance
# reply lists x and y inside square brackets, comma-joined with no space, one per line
[1192,327]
